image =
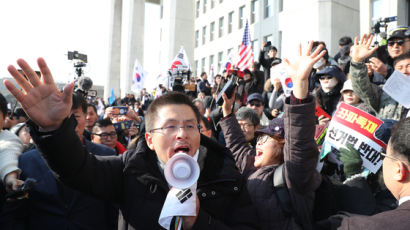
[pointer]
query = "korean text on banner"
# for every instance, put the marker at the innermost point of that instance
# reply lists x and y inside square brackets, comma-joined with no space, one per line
[357,128]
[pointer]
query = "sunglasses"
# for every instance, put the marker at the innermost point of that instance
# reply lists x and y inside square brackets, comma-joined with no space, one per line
[323,77]
[399,42]
[257,104]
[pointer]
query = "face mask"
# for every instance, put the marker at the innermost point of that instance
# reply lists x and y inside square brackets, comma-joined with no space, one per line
[327,87]
[319,63]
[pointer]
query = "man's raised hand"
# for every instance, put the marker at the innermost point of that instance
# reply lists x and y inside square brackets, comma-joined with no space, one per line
[361,50]
[40,98]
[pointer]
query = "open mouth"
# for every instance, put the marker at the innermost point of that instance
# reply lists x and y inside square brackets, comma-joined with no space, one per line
[181,149]
[259,153]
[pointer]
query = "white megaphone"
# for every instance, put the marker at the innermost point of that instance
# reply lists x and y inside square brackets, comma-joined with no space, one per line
[181,171]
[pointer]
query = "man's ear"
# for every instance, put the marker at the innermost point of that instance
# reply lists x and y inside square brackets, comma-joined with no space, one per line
[400,171]
[148,139]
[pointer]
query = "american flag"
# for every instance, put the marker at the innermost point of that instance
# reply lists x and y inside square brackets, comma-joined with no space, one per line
[245,51]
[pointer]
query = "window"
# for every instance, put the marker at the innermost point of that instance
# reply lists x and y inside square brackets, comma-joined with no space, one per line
[267,9]
[198,6]
[220,1]
[253,11]
[212,4]
[220,59]
[211,61]
[196,38]
[204,6]
[230,22]
[280,5]
[229,52]
[221,27]
[161,13]
[280,43]
[203,35]
[196,67]
[254,48]
[203,65]
[211,38]
[268,38]
[241,16]
[379,9]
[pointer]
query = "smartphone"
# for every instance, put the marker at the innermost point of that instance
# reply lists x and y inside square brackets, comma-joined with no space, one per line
[319,112]
[23,190]
[120,110]
[122,125]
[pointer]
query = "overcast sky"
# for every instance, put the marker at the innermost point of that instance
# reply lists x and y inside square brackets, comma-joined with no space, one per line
[49,28]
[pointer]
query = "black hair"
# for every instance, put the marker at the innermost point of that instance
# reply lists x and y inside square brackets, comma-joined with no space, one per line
[401,58]
[102,123]
[3,105]
[399,140]
[273,48]
[171,98]
[92,106]
[207,124]
[345,41]
[79,101]
[316,44]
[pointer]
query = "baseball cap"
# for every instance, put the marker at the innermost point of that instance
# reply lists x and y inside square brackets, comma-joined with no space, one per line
[333,71]
[255,96]
[399,32]
[276,127]
[347,86]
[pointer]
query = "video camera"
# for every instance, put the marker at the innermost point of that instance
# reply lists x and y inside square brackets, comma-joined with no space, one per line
[235,79]
[83,84]
[179,76]
[382,22]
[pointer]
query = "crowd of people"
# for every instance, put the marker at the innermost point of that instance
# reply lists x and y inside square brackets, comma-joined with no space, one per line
[101,166]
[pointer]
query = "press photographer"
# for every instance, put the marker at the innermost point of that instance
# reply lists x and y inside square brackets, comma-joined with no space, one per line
[267,58]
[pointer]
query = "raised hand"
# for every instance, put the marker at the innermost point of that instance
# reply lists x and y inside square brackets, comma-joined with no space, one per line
[300,69]
[378,66]
[361,50]
[40,99]
[228,103]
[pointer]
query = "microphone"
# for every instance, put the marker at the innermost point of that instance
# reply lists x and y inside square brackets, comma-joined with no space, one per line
[181,171]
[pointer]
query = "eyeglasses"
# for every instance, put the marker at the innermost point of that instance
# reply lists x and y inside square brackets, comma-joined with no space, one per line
[245,125]
[106,135]
[257,104]
[383,153]
[399,42]
[262,139]
[323,77]
[173,129]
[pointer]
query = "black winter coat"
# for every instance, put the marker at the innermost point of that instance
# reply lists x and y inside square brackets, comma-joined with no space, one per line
[136,183]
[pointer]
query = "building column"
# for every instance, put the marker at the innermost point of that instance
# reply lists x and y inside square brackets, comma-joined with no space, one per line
[177,29]
[114,56]
[132,41]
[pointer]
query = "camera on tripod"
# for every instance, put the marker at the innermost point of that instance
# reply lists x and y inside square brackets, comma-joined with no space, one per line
[382,23]
[178,77]
[83,84]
